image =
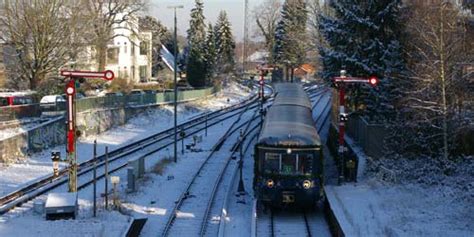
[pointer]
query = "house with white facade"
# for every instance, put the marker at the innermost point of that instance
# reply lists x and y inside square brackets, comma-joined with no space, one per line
[129,55]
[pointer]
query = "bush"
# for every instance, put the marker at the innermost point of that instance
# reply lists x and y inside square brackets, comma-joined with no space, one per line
[120,84]
[149,86]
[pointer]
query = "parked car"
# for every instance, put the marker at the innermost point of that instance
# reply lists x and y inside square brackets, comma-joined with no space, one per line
[53,102]
[16,98]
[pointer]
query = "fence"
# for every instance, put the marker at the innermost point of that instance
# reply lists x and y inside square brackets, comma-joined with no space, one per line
[139,100]
[368,136]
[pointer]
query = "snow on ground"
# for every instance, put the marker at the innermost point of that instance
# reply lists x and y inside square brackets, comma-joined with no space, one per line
[29,224]
[370,208]
[155,120]
[19,126]
[417,199]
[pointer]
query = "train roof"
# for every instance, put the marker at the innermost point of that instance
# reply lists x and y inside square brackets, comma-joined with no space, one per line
[291,94]
[289,121]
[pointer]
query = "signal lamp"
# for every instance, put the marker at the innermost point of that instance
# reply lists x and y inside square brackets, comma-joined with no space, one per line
[373,81]
[306,184]
[270,183]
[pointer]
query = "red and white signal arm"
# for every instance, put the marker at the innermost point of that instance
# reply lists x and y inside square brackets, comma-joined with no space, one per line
[107,75]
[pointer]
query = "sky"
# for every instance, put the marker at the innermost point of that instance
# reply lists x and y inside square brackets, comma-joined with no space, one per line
[234,9]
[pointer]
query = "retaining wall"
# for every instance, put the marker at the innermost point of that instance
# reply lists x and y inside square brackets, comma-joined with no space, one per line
[8,113]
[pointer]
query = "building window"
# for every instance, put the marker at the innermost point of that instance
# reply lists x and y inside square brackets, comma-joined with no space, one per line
[125,72]
[112,55]
[143,73]
[125,48]
[132,51]
[143,48]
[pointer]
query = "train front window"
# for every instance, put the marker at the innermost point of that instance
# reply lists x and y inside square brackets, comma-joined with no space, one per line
[272,163]
[288,164]
[305,163]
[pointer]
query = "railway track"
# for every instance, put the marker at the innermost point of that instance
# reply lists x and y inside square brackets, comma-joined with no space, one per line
[320,121]
[295,223]
[48,183]
[199,196]
[289,224]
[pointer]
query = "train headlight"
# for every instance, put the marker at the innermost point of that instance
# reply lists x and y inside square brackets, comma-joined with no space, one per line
[306,184]
[270,183]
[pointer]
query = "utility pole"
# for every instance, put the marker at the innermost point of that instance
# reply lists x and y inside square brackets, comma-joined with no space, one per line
[175,82]
[95,178]
[106,188]
[246,31]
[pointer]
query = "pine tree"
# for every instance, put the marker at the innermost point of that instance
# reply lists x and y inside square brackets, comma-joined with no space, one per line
[225,43]
[278,45]
[364,39]
[211,52]
[196,65]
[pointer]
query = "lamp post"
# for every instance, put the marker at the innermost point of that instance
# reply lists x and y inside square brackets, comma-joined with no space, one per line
[175,83]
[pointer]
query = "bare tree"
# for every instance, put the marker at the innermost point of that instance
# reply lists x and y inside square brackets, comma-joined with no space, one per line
[315,9]
[436,54]
[107,17]
[41,35]
[266,16]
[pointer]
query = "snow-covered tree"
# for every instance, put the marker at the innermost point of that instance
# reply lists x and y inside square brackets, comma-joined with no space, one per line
[364,38]
[225,43]
[290,35]
[279,40]
[196,65]
[210,52]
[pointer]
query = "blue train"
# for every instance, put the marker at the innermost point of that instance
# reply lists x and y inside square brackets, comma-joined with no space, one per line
[288,156]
